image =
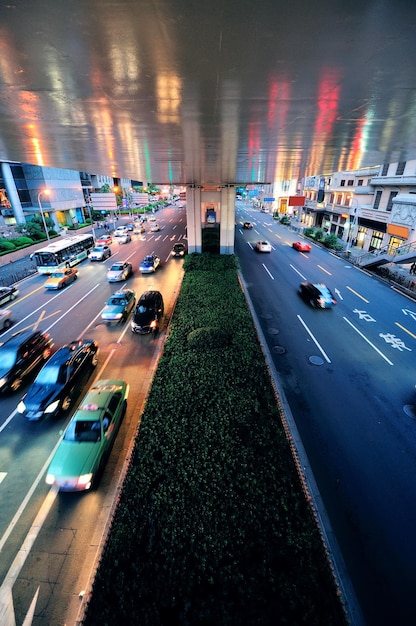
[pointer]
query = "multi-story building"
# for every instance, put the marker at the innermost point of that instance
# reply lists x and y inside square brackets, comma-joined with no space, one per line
[371,208]
[63,195]
[28,190]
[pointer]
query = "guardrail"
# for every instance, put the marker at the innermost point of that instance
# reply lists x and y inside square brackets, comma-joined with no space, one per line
[388,253]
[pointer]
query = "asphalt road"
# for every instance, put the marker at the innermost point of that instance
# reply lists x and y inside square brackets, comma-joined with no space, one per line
[348,376]
[49,542]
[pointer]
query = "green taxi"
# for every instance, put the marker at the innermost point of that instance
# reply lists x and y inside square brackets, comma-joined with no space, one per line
[87,440]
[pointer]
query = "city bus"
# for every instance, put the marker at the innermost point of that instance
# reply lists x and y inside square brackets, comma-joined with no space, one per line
[63,253]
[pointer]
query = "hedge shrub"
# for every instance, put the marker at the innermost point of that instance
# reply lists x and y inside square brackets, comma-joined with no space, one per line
[212,525]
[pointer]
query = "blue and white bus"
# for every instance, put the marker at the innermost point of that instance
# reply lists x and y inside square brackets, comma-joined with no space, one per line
[63,253]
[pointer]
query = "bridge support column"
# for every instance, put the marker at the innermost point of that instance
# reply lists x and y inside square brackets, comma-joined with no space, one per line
[227,230]
[193,218]
[210,208]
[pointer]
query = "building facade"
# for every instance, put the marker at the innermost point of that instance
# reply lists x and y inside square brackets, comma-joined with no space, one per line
[372,208]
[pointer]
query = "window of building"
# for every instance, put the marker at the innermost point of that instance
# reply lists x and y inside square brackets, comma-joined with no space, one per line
[360,182]
[342,184]
[377,199]
[385,169]
[393,194]
[376,241]
[400,168]
[338,198]
[350,183]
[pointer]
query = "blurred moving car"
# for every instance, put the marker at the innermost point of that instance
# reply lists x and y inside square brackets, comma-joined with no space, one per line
[6,319]
[89,437]
[179,250]
[126,238]
[149,264]
[119,306]
[317,294]
[7,294]
[104,240]
[301,246]
[21,355]
[100,253]
[120,230]
[248,225]
[263,246]
[148,314]
[130,226]
[60,380]
[119,271]
[138,229]
[61,278]
[154,228]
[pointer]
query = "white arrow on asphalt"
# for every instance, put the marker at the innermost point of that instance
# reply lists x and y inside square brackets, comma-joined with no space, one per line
[337,291]
[411,313]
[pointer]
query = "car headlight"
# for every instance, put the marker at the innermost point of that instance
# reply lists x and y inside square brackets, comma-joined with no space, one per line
[85,481]
[118,316]
[21,407]
[52,407]
[50,479]
[3,382]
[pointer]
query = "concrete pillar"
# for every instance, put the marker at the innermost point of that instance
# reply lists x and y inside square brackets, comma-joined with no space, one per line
[227,225]
[193,218]
[222,202]
[12,193]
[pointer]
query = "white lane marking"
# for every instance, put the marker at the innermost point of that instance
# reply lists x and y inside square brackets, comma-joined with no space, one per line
[72,307]
[368,341]
[322,351]
[271,276]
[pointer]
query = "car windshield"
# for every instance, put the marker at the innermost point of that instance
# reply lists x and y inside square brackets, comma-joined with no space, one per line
[148,259]
[57,275]
[52,374]
[116,267]
[83,430]
[117,302]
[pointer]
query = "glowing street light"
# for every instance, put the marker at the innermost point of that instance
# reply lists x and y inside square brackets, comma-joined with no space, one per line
[47,192]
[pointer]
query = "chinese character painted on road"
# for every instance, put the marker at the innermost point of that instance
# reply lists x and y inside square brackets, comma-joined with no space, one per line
[394,341]
[363,315]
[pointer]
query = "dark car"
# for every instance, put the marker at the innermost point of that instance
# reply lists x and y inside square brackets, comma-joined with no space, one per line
[248,225]
[179,250]
[59,381]
[148,314]
[21,355]
[317,294]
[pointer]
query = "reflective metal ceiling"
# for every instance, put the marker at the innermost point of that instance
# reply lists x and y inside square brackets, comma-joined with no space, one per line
[208,91]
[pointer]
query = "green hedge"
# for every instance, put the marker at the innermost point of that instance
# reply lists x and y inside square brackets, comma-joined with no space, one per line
[212,526]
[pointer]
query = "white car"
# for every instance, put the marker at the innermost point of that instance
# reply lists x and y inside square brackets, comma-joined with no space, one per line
[119,271]
[6,319]
[120,230]
[100,253]
[263,246]
[126,238]
[154,228]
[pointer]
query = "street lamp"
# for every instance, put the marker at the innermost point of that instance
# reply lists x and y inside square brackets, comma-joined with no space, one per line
[47,193]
